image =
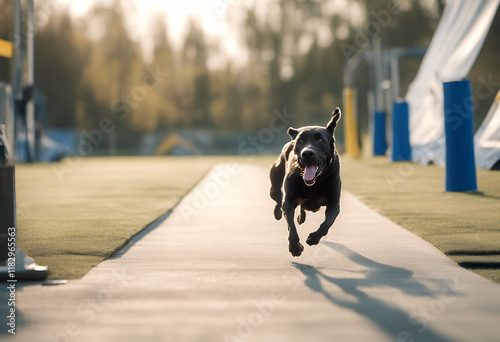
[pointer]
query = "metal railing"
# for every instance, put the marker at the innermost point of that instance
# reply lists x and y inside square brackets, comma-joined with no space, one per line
[8,117]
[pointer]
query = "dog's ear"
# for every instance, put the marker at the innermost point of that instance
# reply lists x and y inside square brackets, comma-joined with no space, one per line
[333,121]
[292,132]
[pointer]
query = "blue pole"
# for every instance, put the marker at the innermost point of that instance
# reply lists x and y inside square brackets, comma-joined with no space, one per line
[401,149]
[379,141]
[459,130]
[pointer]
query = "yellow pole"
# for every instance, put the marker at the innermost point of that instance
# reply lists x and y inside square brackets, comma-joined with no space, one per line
[351,126]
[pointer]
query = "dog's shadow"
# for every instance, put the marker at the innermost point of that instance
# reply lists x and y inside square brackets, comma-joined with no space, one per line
[395,322]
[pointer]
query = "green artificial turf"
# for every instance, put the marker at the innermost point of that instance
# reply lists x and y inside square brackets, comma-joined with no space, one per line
[72,216]
[465,226]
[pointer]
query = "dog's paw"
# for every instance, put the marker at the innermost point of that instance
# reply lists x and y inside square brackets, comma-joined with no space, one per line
[313,239]
[296,249]
[277,213]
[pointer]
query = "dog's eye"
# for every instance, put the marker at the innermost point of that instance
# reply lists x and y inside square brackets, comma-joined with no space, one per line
[300,140]
[319,139]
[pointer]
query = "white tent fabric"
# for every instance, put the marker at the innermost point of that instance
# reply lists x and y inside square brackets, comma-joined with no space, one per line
[487,138]
[451,53]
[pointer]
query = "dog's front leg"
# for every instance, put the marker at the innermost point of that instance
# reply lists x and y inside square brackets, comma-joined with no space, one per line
[330,215]
[294,245]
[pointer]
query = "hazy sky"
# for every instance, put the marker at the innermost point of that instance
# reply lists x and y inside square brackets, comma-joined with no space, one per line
[219,19]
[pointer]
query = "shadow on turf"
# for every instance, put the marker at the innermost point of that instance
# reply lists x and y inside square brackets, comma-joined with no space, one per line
[396,323]
[475,264]
[480,194]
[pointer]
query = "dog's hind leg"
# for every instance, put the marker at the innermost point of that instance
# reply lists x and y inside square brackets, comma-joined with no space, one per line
[277,174]
[301,218]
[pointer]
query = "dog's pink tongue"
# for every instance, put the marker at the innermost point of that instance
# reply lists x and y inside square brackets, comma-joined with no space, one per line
[310,172]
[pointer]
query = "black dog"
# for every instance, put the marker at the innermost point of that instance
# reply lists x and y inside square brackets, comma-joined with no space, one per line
[309,170]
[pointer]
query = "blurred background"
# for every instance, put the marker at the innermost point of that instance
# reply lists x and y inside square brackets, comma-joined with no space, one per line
[202,76]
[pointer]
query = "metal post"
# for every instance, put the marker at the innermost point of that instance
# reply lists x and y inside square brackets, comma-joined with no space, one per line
[395,73]
[378,117]
[18,53]
[378,74]
[30,101]
[17,74]
[10,119]
[395,55]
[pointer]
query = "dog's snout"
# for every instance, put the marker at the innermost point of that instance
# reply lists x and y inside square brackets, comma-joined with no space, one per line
[307,153]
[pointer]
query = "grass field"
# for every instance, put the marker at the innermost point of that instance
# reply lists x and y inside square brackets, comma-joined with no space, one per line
[73,222]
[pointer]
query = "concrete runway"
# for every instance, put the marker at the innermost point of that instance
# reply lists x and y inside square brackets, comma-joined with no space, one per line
[218,269]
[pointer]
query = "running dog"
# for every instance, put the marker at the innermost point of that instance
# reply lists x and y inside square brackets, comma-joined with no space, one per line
[308,171]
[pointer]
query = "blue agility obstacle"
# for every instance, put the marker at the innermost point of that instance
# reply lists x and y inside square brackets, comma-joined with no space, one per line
[379,141]
[459,131]
[401,149]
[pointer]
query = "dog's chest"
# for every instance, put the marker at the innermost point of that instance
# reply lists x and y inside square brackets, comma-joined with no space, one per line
[313,202]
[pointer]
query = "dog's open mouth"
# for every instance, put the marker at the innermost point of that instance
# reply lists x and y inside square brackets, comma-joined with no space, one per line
[311,172]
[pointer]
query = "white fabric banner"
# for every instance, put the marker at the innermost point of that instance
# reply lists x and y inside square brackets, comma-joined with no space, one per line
[451,53]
